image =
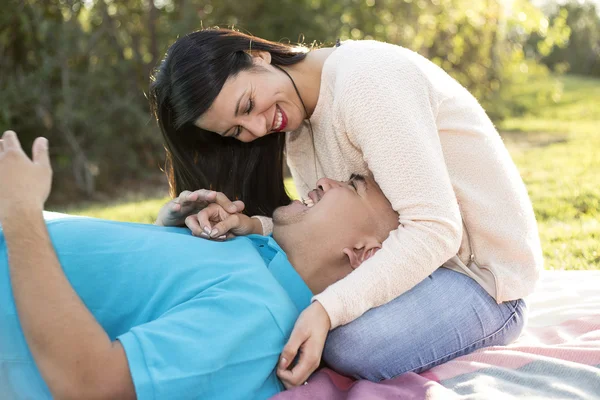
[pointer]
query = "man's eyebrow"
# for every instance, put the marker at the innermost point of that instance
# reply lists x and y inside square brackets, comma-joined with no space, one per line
[359,178]
[237,110]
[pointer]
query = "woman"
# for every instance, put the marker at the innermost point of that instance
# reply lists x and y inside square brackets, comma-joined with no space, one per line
[223,100]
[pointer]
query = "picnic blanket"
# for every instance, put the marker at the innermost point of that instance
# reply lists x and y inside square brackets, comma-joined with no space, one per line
[556,357]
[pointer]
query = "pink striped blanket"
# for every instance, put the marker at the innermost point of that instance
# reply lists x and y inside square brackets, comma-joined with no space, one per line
[556,357]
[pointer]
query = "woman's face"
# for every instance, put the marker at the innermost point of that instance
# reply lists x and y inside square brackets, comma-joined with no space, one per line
[254,103]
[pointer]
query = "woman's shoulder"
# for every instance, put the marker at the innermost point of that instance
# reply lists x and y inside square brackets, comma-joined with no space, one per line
[358,60]
[352,53]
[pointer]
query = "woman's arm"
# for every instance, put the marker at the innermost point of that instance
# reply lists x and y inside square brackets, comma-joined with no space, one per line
[390,114]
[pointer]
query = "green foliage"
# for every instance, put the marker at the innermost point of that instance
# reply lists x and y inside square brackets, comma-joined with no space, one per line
[581,53]
[75,71]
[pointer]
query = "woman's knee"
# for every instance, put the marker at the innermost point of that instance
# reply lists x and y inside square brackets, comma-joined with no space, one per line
[367,348]
[347,351]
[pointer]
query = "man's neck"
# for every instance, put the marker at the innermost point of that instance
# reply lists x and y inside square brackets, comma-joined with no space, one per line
[317,267]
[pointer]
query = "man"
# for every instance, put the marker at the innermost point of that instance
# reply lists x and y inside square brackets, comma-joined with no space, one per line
[98,309]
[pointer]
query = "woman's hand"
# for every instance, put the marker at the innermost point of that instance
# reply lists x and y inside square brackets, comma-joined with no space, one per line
[215,223]
[175,211]
[307,339]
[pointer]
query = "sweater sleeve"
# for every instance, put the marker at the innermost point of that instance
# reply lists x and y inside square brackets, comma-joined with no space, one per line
[267,224]
[390,115]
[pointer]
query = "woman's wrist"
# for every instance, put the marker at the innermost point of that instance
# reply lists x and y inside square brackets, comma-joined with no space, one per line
[257,227]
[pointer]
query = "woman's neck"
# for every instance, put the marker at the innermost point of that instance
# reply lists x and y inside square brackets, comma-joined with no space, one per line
[307,76]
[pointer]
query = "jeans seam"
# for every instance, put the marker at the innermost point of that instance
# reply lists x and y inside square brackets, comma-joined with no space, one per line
[451,355]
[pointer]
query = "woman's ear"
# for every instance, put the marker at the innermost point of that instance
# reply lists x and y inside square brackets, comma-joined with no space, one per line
[260,57]
[357,256]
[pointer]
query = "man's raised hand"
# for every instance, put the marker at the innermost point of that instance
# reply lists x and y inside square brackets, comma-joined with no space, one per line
[24,183]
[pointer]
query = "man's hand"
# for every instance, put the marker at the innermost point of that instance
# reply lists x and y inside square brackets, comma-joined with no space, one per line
[308,338]
[215,223]
[25,184]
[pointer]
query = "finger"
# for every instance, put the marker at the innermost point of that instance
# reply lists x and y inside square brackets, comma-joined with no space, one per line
[205,195]
[191,201]
[212,211]
[286,383]
[223,227]
[39,151]
[11,141]
[291,348]
[185,203]
[308,362]
[239,205]
[196,198]
[191,221]
[182,196]
[224,202]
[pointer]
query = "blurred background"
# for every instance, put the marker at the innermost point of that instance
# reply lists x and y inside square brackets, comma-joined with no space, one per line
[77,72]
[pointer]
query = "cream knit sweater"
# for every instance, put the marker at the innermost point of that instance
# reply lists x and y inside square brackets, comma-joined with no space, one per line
[437,157]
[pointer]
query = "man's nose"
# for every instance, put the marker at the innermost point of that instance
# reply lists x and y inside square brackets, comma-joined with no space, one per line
[325,184]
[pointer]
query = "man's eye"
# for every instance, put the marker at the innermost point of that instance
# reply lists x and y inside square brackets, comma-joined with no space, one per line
[250,106]
[237,132]
[353,185]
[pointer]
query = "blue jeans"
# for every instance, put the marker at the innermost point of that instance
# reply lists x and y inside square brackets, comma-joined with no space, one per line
[445,316]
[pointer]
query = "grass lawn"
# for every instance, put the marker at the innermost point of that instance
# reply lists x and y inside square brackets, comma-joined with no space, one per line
[557,151]
[556,148]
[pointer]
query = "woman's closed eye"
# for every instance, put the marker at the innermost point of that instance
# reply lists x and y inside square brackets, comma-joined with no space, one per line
[249,109]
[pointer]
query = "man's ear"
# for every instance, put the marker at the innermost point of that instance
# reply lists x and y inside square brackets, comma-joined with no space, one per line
[260,57]
[358,255]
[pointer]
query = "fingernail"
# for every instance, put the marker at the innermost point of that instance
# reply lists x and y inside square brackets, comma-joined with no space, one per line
[214,232]
[222,237]
[282,363]
[207,230]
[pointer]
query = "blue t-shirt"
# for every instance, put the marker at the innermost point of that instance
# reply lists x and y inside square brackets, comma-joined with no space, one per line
[197,319]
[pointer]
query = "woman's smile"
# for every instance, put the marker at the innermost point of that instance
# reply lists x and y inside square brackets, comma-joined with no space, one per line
[279,120]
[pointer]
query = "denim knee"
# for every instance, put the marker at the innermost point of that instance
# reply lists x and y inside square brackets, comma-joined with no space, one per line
[345,352]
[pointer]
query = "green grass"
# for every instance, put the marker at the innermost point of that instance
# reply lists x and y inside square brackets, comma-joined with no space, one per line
[556,148]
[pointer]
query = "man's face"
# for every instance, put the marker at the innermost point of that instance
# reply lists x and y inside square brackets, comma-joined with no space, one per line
[335,212]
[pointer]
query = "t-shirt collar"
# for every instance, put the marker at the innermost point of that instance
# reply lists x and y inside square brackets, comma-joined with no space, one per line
[281,268]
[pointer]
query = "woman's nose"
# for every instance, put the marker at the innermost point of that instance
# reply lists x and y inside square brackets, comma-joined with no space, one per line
[257,125]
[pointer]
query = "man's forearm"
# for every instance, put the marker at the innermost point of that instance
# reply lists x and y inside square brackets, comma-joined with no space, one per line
[63,336]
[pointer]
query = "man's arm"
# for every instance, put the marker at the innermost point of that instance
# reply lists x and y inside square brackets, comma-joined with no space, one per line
[73,353]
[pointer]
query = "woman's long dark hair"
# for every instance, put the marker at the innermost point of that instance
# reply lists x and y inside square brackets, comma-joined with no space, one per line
[183,87]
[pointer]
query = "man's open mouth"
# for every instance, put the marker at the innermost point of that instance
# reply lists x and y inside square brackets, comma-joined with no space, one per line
[314,196]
